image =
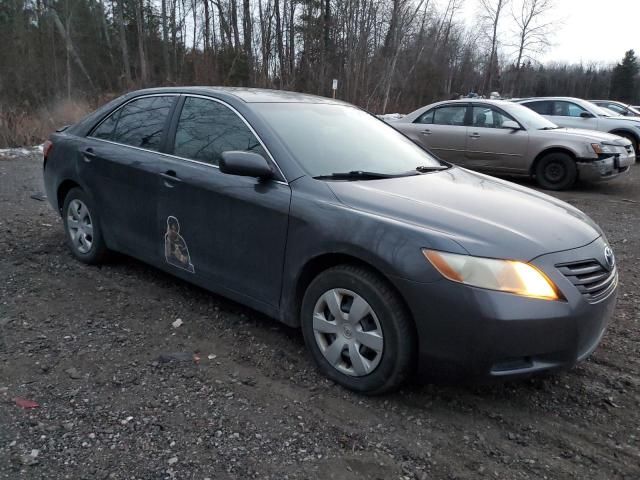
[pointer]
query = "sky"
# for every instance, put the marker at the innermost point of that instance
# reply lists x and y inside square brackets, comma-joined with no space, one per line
[590,30]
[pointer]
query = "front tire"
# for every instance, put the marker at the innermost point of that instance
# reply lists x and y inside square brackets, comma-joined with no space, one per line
[556,171]
[357,329]
[82,228]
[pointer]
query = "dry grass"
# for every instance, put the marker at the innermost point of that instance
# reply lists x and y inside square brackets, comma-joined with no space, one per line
[20,128]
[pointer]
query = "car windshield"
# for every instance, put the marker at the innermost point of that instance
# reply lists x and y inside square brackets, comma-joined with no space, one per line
[600,111]
[610,113]
[530,119]
[328,139]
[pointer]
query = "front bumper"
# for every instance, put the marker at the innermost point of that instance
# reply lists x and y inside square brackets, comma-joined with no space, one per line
[605,168]
[472,334]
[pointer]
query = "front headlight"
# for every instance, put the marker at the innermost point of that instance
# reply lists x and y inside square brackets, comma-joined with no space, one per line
[504,275]
[600,148]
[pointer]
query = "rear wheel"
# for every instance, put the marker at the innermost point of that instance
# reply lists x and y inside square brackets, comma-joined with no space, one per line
[556,171]
[82,228]
[358,330]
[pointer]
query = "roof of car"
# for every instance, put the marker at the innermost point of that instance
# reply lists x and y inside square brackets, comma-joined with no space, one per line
[248,95]
[476,100]
[573,99]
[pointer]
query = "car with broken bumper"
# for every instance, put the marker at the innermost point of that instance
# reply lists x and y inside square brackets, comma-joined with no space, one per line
[393,263]
[505,138]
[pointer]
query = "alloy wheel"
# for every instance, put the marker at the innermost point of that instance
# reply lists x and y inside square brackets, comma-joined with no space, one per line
[348,332]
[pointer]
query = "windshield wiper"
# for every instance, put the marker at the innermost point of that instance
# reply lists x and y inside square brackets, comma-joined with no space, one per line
[359,175]
[549,128]
[435,168]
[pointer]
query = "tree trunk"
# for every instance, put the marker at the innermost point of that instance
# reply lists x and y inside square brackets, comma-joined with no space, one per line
[247,33]
[71,50]
[279,41]
[165,42]
[141,55]
[123,44]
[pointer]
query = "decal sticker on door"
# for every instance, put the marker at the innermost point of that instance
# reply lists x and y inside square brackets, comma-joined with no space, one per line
[176,251]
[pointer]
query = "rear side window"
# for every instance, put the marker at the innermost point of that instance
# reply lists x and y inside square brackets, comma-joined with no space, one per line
[207,128]
[106,128]
[139,123]
[426,117]
[453,115]
[543,108]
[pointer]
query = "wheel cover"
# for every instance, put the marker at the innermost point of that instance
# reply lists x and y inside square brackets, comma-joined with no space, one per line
[80,226]
[555,172]
[348,332]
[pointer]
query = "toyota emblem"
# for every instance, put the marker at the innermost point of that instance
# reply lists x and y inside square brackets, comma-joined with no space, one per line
[609,257]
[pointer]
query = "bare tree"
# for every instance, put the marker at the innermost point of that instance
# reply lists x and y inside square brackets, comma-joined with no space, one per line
[141,54]
[533,32]
[492,11]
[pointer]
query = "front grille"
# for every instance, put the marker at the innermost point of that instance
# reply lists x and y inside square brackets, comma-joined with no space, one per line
[591,279]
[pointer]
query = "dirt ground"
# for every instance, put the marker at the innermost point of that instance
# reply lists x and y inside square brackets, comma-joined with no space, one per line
[94,348]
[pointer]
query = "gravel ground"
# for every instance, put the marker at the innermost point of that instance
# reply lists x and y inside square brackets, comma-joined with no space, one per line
[122,394]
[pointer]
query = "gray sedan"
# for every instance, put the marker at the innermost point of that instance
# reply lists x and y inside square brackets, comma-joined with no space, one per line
[318,214]
[502,137]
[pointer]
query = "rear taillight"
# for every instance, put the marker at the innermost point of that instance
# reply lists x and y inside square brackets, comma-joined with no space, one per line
[46,148]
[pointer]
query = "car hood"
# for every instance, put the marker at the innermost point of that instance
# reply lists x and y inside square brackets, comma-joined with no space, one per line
[488,217]
[622,120]
[589,135]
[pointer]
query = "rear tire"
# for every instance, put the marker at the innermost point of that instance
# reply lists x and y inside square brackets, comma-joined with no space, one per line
[369,344]
[556,171]
[82,228]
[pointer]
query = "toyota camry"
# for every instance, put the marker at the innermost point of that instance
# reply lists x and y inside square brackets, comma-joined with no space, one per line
[392,262]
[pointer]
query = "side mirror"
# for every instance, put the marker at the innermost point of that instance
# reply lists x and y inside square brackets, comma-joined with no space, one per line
[587,115]
[510,124]
[245,164]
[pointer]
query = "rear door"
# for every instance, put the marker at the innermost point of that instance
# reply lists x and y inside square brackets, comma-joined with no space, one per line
[119,167]
[229,231]
[443,131]
[494,148]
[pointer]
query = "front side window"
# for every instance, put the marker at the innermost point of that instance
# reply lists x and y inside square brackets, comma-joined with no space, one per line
[567,109]
[487,117]
[207,128]
[140,123]
[452,115]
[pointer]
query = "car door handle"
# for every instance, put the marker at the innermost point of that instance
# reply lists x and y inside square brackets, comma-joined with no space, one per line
[170,178]
[474,135]
[88,155]
[426,132]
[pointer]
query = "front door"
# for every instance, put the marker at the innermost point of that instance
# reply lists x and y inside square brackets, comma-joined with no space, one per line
[569,115]
[119,166]
[228,231]
[491,147]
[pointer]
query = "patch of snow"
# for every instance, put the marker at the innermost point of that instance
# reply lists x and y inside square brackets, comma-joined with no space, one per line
[390,117]
[9,153]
